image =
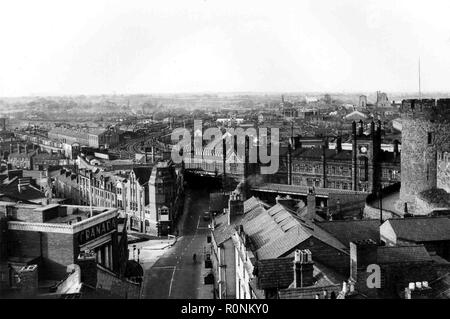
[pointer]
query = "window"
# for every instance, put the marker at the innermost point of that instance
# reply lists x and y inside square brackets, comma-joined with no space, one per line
[430,138]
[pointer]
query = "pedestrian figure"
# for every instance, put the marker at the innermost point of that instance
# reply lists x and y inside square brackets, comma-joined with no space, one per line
[194,257]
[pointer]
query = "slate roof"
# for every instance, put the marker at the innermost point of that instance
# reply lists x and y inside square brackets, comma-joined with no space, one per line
[279,273]
[402,254]
[275,273]
[353,230]
[22,155]
[223,231]
[276,231]
[45,156]
[218,201]
[142,174]
[421,229]
[437,197]
[317,152]
[303,190]
[441,287]
[309,292]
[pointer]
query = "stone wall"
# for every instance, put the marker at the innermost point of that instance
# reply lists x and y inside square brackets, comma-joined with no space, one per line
[374,213]
[425,131]
[443,171]
[112,284]
[418,165]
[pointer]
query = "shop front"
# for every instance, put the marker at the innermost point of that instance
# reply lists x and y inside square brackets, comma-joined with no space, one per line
[101,239]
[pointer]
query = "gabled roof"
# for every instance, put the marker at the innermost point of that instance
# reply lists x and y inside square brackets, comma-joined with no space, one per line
[441,287]
[353,230]
[278,231]
[223,231]
[217,201]
[402,254]
[356,115]
[279,273]
[142,174]
[421,229]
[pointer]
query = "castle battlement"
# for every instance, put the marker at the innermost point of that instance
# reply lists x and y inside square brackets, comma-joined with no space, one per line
[426,109]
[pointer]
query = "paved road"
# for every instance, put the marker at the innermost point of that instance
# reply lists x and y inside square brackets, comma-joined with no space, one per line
[175,275]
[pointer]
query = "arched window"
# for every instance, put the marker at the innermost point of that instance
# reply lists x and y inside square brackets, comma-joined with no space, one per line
[363,169]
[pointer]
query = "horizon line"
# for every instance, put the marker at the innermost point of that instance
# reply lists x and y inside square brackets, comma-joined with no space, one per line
[222,92]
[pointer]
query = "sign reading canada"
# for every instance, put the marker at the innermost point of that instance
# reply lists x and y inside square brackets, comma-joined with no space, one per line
[96,231]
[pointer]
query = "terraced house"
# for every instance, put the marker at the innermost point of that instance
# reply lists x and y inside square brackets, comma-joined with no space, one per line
[149,196]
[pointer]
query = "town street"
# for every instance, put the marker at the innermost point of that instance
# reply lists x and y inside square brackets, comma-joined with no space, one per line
[175,275]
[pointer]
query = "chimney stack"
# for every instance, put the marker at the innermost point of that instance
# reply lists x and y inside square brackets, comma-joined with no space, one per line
[289,164]
[88,266]
[339,144]
[311,204]
[28,282]
[396,151]
[379,128]
[303,269]
[235,206]
[224,163]
[362,254]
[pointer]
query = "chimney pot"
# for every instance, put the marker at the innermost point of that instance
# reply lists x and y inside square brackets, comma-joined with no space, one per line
[303,269]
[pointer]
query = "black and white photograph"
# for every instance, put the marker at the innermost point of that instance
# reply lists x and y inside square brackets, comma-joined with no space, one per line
[226,154]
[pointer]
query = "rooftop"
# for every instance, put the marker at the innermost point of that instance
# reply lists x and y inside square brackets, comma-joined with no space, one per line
[403,254]
[437,197]
[420,229]
[276,232]
[353,230]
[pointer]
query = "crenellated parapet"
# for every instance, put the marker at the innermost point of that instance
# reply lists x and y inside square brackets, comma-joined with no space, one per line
[435,110]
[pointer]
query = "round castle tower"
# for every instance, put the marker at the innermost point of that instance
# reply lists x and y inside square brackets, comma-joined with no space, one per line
[425,125]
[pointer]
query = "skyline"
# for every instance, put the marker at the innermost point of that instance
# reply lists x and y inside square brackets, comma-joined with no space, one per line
[113,47]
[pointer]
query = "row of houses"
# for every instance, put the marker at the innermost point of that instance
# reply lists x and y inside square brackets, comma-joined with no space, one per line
[260,251]
[150,196]
[36,160]
[93,138]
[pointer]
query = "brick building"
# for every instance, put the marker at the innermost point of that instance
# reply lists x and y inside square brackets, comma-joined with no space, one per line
[161,209]
[150,196]
[365,167]
[22,159]
[92,138]
[52,237]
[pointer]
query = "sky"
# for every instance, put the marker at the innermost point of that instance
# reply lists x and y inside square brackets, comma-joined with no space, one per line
[151,46]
